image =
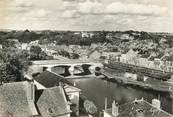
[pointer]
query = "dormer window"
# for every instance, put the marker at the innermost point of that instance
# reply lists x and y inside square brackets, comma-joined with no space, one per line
[50,111]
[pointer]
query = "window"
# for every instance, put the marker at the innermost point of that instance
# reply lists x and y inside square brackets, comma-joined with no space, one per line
[50,111]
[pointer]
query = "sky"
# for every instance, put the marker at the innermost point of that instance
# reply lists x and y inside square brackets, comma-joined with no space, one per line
[141,15]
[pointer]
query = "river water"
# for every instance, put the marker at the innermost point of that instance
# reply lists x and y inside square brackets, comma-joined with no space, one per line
[98,89]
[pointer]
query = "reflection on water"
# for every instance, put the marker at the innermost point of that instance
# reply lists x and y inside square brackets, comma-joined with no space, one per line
[97,89]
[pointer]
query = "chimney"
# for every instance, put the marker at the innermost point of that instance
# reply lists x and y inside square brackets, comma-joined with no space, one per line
[74,84]
[115,109]
[30,91]
[106,101]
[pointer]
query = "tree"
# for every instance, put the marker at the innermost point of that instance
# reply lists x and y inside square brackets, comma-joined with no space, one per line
[3,73]
[35,53]
[13,65]
[35,49]
[75,56]
[90,107]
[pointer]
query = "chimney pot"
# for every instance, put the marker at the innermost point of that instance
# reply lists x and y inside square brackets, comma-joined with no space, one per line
[115,109]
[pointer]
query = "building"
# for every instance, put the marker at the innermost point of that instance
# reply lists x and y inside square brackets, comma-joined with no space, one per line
[94,55]
[21,99]
[0,46]
[24,46]
[130,57]
[47,79]
[73,95]
[137,108]
[111,55]
[87,34]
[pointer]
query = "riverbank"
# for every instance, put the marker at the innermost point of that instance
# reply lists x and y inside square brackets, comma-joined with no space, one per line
[97,90]
[147,84]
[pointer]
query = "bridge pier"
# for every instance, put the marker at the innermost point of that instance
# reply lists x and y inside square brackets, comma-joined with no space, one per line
[49,69]
[71,70]
[92,69]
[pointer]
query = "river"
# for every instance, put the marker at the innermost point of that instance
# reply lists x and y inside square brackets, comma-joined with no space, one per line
[97,90]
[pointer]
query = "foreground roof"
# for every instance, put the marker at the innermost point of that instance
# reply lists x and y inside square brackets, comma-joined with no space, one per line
[52,102]
[15,103]
[13,100]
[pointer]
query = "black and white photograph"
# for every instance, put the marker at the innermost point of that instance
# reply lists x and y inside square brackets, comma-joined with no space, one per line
[86,58]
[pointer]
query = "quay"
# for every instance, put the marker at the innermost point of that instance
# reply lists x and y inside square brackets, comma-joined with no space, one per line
[148,84]
[153,73]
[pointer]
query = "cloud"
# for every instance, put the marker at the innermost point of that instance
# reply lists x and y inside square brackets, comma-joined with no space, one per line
[90,7]
[140,9]
[96,7]
[22,3]
[39,13]
[70,14]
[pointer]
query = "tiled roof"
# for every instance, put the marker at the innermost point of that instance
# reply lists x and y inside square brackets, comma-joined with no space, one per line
[13,100]
[49,102]
[52,102]
[129,110]
[48,79]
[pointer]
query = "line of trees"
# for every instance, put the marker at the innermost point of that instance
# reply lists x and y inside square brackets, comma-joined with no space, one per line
[70,37]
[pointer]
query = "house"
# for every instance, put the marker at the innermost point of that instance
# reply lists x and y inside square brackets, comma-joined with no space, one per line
[126,36]
[34,42]
[130,75]
[48,79]
[84,34]
[129,57]
[87,34]
[21,99]
[111,55]
[143,62]
[73,95]
[24,46]
[136,108]
[94,53]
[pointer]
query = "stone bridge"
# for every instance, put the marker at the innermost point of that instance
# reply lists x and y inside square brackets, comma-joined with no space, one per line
[68,69]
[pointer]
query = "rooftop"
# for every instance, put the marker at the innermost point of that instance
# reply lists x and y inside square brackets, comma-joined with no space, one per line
[130,109]
[52,102]
[13,98]
[14,101]
[49,79]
